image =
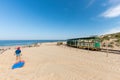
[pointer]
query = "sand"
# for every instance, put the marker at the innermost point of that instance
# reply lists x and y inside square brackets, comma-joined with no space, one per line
[52,62]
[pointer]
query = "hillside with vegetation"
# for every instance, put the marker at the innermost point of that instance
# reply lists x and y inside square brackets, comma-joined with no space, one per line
[111,40]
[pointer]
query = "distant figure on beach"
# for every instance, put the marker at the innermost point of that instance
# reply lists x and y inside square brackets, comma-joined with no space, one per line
[18,54]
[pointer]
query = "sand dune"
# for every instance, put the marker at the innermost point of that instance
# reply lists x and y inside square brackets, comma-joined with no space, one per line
[52,62]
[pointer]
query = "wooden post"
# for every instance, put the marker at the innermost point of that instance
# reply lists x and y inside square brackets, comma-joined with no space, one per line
[88,46]
[107,50]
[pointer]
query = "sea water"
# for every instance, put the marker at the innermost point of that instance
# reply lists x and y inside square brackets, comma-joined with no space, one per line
[23,42]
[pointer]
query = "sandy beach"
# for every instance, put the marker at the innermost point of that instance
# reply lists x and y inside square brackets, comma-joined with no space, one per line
[52,62]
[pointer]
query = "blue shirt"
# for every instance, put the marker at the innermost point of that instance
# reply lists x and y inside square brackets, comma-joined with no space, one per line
[18,51]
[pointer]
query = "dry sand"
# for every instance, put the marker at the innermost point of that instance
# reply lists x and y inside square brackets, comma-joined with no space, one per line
[52,62]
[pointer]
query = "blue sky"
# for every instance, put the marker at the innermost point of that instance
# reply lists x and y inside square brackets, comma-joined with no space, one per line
[58,19]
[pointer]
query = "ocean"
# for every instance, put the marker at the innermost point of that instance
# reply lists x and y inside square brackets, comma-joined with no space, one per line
[23,42]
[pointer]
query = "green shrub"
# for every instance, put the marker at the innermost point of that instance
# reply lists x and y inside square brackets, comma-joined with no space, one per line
[110,45]
[59,43]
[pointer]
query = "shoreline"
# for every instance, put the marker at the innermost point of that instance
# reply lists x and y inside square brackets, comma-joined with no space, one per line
[5,48]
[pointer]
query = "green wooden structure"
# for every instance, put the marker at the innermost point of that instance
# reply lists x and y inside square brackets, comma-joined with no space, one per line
[92,43]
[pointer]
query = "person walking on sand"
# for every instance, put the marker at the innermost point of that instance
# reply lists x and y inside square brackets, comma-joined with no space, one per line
[18,54]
